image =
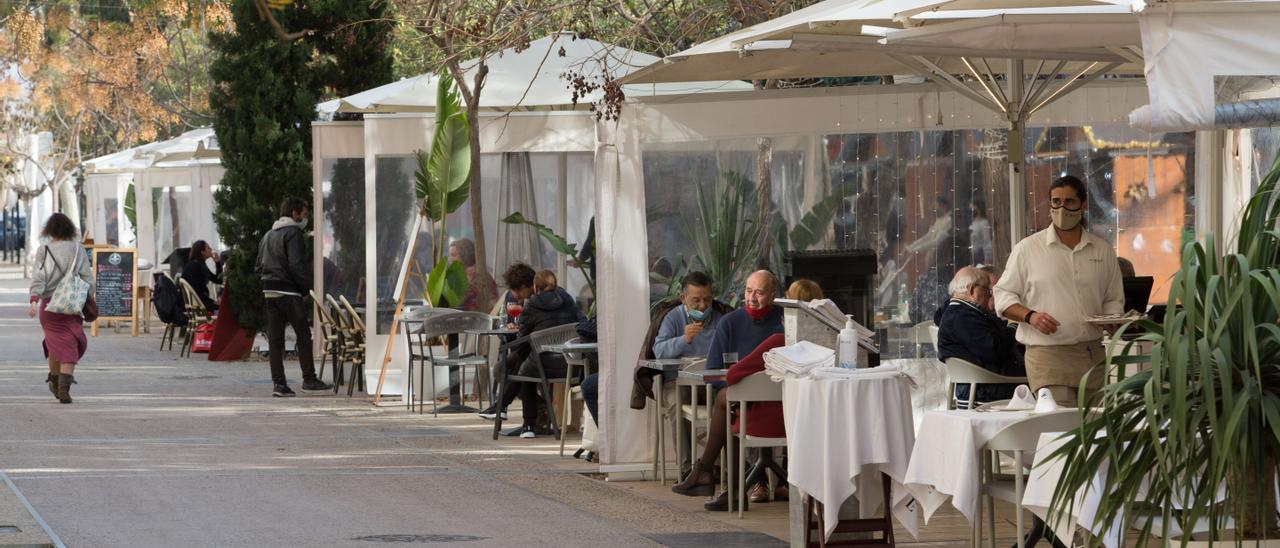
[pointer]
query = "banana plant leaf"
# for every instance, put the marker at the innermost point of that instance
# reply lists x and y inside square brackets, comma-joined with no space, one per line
[443,176]
[815,225]
[557,242]
[130,207]
[447,283]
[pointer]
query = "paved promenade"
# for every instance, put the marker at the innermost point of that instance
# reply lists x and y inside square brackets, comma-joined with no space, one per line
[162,451]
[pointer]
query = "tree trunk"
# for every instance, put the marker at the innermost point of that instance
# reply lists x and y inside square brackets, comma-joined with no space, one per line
[477,199]
[764,203]
[1255,504]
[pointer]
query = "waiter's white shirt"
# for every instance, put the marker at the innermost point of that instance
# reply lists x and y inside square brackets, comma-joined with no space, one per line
[1071,285]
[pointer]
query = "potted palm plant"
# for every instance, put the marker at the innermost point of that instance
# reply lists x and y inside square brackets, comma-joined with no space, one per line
[1192,442]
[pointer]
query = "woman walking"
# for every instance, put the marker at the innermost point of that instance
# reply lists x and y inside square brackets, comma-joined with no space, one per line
[64,340]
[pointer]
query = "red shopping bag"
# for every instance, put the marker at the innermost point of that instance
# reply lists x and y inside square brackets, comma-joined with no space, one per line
[203,340]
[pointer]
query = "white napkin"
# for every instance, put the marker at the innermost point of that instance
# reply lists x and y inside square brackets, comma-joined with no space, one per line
[1022,399]
[865,373]
[797,360]
[1045,402]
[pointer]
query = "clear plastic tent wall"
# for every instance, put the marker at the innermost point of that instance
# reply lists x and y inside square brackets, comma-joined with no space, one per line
[913,172]
[539,164]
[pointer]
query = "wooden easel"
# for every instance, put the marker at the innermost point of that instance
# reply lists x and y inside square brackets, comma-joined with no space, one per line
[395,319]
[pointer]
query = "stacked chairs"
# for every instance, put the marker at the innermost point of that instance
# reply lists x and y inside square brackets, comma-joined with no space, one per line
[330,338]
[197,316]
[342,335]
[353,344]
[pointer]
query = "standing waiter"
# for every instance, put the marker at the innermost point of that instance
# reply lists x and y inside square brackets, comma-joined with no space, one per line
[1055,280]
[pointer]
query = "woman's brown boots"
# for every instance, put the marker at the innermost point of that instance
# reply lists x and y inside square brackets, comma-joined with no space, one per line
[64,387]
[52,381]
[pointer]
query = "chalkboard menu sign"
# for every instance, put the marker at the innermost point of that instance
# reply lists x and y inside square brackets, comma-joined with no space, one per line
[115,272]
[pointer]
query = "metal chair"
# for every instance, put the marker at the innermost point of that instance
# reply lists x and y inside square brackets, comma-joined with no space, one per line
[573,359]
[755,388]
[330,337]
[1019,439]
[422,351]
[960,371]
[538,341]
[343,324]
[197,315]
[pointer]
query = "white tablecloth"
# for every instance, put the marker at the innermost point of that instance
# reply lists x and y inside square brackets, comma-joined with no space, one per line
[944,462]
[1044,479]
[841,434]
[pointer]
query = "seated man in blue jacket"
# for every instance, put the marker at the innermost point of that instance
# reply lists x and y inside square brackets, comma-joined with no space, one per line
[968,329]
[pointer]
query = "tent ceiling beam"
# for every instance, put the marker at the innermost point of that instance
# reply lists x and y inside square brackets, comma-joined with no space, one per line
[1081,78]
[997,96]
[926,66]
[1039,85]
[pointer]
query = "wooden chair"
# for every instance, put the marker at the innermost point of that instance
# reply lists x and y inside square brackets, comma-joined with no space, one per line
[343,323]
[421,350]
[197,315]
[538,341]
[1019,439]
[755,388]
[330,337]
[960,371]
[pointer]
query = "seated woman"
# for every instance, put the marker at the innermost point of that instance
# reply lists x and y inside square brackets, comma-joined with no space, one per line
[197,272]
[766,420]
[550,306]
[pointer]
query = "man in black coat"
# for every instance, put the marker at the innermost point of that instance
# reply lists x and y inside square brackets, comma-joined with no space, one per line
[285,270]
[967,329]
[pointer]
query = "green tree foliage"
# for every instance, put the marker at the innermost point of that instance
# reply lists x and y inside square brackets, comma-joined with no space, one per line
[264,98]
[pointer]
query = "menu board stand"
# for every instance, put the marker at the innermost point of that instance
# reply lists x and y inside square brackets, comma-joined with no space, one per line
[115,274]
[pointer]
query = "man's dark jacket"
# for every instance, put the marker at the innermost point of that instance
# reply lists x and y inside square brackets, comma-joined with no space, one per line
[968,333]
[643,387]
[282,259]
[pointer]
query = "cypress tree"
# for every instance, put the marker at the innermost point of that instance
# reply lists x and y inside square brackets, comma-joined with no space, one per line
[263,101]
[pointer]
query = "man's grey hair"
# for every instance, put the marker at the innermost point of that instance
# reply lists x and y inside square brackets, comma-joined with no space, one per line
[964,278]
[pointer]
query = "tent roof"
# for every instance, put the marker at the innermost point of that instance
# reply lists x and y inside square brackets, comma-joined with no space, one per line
[198,146]
[847,38]
[530,79]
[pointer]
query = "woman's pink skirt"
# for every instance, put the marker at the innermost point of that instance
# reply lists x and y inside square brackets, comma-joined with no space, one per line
[63,335]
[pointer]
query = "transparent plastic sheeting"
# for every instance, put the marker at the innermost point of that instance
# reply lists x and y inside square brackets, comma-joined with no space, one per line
[927,202]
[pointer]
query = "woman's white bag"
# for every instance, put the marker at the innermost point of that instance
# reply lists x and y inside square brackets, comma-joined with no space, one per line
[69,297]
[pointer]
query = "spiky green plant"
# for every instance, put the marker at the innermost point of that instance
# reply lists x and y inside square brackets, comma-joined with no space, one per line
[1206,414]
[443,185]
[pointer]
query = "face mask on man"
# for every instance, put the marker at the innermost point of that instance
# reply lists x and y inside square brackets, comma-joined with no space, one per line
[1066,219]
[758,314]
[697,315]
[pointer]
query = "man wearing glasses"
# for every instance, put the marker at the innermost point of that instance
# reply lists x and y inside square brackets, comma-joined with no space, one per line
[968,329]
[1055,280]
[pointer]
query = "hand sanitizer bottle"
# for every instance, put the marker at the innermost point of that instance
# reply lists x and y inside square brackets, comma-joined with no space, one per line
[848,346]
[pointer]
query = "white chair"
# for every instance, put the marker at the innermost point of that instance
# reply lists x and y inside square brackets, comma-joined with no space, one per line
[1019,439]
[961,371]
[755,388]
[920,335]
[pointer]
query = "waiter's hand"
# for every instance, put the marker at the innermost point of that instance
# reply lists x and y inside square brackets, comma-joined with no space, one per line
[1044,323]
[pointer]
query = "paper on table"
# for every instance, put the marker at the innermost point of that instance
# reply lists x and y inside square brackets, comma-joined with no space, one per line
[1022,399]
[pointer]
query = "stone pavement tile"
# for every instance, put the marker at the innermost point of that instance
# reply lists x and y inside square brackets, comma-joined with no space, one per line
[18,528]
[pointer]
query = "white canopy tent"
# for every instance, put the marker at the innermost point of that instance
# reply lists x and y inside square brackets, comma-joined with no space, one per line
[537,158]
[173,180]
[802,124]
[849,38]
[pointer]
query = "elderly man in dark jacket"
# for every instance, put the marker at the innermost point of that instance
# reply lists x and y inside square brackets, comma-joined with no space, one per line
[550,306]
[968,329]
[286,280]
